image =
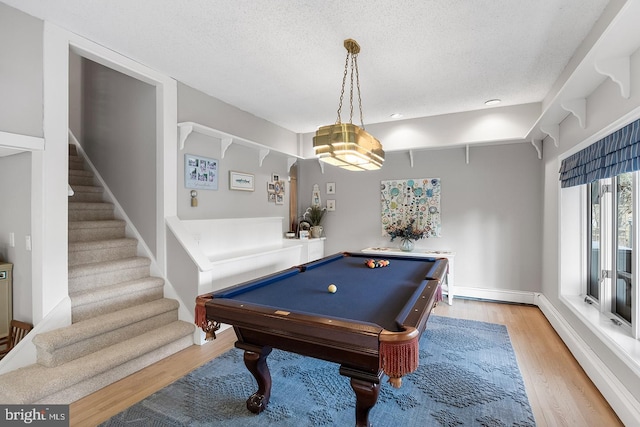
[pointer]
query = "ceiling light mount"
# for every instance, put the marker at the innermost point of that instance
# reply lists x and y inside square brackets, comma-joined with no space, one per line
[344,144]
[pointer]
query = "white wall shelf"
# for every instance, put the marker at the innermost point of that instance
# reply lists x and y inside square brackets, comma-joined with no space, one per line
[186,128]
[13,143]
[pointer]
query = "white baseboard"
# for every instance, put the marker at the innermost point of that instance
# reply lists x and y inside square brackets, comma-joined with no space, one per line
[625,405]
[503,295]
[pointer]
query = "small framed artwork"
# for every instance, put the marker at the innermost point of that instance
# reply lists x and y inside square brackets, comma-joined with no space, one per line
[200,172]
[275,177]
[331,188]
[331,205]
[304,235]
[241,181]
[278,187]
[279,199]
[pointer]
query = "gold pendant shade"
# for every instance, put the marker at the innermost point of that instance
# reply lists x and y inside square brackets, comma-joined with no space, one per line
[344,144]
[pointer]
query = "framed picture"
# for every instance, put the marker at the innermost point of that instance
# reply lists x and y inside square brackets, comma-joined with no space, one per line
[241,181]
[331,205]
[278,187]
[200,172]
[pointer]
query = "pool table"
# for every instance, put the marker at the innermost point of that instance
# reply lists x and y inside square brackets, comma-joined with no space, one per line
[370,325]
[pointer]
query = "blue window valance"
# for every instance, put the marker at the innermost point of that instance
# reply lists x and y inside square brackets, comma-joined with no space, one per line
[614,154]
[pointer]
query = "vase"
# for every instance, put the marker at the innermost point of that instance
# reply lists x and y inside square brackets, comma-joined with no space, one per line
[316,231]
[406,245]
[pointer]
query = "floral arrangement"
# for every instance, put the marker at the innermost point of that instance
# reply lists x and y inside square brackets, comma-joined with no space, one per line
[405,231]
[314,215]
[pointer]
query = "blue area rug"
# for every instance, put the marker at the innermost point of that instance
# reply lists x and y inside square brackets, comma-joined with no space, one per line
[468,376]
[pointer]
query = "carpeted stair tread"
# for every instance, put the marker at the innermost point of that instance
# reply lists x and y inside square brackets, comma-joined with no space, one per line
[76,163]
[101,244]
[52,340]
[107,266]
[93,251]
[86,193]
[81,173]
[115,291]
[78,177]
[87,189]
[97,302]
[36,382]
[59,356]
[110,223]
[90,206]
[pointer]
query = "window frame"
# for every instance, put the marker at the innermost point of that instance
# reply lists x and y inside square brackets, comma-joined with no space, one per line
[609,252]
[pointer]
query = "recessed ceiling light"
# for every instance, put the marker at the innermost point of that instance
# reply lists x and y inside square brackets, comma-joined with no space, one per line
[396,115]
[492,102]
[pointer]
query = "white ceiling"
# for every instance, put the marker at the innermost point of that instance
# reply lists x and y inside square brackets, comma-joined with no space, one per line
[282,60]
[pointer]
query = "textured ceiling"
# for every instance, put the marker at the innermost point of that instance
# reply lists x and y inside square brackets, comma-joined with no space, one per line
[283,60]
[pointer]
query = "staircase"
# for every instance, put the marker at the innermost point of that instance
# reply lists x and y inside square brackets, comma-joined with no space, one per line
[121,322]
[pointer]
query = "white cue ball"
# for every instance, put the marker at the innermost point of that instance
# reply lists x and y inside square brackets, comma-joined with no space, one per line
[332,288]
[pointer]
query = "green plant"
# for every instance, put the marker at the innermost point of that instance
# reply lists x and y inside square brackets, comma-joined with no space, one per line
[314,215]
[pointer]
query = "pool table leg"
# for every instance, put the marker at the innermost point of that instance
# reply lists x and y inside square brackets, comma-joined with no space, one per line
[366,396]
[256,363]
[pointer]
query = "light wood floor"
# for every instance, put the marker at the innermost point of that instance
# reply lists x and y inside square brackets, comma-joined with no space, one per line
[559,391]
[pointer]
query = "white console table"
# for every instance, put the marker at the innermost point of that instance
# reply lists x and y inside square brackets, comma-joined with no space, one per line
[449,255]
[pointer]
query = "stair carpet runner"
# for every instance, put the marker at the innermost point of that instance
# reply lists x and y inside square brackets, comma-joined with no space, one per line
[121,322]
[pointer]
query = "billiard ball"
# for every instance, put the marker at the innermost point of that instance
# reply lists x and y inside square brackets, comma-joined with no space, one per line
[332,288]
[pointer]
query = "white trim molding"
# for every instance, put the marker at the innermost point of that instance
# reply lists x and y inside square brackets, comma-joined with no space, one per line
[626,406]
[500,295]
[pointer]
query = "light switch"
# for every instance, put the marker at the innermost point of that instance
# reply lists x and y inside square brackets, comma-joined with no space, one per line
[12,240]
[27,242]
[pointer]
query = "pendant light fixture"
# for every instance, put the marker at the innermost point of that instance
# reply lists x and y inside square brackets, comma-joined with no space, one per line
[344,144]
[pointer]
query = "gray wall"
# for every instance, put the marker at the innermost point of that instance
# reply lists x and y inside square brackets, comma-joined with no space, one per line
[15,217]
[198,107]
[491,210]
[75,94]
[21,109]
[119,136]
[21,73]
[226,203]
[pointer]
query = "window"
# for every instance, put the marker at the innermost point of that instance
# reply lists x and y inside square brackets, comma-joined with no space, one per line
[611,247]
[621,296]
[593,253]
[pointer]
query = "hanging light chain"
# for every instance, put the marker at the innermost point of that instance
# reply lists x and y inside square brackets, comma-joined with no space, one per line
[353,48]
[355,59]
[351,90]
[344,80]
